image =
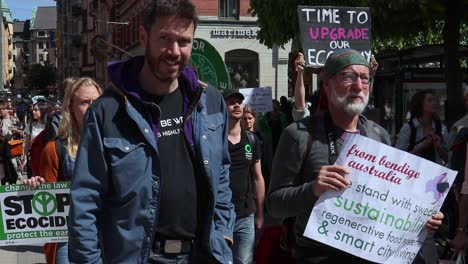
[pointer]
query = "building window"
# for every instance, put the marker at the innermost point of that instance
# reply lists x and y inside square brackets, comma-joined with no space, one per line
[229,8]
[40,45]
[242,65]
[41,57]
[41,34]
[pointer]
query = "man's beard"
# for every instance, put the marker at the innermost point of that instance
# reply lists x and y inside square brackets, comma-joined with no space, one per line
[351,109]
[153,64]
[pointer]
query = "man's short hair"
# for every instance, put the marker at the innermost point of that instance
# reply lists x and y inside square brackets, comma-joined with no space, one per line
[160,8]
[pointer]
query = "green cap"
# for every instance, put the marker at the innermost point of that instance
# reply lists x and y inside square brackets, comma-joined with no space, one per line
[343,58]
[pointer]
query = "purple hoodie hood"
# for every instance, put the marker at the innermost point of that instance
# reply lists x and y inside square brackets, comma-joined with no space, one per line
[124,75]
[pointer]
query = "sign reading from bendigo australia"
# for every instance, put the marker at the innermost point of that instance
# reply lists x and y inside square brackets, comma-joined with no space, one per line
[34,215]
[325,29]
[381,217]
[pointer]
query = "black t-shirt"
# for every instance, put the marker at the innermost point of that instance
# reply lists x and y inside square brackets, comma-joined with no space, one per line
[242,156]
[178,204]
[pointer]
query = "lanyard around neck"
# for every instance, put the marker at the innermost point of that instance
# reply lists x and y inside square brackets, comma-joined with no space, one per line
[332,137]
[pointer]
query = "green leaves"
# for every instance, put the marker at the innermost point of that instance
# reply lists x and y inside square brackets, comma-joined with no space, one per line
[40,76]
[395,23]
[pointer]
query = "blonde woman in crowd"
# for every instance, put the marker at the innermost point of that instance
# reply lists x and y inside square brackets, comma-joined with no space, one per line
[58,156]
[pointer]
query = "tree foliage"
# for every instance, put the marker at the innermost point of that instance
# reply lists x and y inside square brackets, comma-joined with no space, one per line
[395,23]
[40,76]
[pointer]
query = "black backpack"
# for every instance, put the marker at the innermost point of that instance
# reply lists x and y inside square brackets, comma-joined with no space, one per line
[252,140]
[61,150]
[412,139]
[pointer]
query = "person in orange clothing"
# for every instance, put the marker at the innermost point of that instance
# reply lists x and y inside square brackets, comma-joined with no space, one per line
[58,156]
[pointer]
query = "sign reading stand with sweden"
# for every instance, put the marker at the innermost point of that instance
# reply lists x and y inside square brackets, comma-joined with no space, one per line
[381,217]
[34,215]
[325,29]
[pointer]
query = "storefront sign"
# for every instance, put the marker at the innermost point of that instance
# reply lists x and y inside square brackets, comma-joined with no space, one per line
[234,33]
[34,215]
[381,217]
[209,65]
[325,29]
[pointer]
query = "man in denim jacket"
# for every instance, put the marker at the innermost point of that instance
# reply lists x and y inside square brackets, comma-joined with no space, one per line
[151,183]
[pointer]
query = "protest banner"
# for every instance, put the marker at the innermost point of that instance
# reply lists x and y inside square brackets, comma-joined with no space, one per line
[381,217]
[259,98]
[34,215]
[325,29]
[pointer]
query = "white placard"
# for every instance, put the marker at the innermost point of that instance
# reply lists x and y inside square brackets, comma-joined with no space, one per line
[258,98]
[34,215]
[381,217]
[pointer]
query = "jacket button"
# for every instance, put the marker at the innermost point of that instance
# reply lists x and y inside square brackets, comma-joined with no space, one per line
[127,148]
[205,162]
[204,137]
[146,130]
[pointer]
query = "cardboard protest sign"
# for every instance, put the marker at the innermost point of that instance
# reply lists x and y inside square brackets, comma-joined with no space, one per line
[259,98]
[381,217]
[34,215]
[325,29]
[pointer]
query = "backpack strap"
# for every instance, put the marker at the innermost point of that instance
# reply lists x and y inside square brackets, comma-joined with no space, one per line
[412,138]
[252,140]
[61,151]
[438,124]
[308,147]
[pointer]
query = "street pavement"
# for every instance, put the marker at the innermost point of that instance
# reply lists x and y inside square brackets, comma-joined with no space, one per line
[22,255]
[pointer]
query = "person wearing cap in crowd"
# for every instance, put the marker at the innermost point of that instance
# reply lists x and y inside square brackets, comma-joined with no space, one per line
[246,180]
[299,178]
[300,107]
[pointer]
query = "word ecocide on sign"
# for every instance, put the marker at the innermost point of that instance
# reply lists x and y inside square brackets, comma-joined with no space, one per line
[24,210]
[34,215]
[327,29]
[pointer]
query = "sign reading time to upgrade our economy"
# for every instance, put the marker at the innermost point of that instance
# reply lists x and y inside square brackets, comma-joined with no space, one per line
[381,217]
[326,29]
[34,215]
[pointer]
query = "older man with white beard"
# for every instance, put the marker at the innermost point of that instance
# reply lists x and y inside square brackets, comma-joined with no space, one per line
[303,167]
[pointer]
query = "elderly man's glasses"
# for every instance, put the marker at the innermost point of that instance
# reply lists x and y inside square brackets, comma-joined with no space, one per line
[352,77]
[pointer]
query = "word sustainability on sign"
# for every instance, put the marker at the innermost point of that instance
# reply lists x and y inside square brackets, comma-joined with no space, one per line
[381,217]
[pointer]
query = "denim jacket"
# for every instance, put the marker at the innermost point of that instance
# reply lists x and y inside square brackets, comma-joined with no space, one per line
[116,183]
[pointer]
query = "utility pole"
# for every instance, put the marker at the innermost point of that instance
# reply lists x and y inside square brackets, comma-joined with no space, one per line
[1,48]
